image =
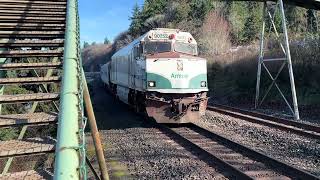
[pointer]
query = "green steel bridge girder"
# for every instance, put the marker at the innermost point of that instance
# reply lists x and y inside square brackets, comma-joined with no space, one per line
[67,162]
[2,75]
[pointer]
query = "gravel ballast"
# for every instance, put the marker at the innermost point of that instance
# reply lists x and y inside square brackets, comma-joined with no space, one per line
[308,114]
[149,154]
[134,149]
[293,149]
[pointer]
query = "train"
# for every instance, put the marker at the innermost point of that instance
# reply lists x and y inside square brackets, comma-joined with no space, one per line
[160,74]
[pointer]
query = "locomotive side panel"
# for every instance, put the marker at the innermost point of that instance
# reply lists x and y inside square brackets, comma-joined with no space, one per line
[113,71]
[137,68]
[119,75]
[105,74]
[121,71]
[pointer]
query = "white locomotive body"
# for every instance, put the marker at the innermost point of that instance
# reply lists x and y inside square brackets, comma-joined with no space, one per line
[161,74]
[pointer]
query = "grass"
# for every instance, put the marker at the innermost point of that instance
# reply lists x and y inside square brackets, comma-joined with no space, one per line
[118,170]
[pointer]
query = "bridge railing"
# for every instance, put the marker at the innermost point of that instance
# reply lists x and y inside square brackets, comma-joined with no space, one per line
[70,152]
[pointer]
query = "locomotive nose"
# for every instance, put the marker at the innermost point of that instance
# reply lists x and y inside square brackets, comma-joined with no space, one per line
[182,75]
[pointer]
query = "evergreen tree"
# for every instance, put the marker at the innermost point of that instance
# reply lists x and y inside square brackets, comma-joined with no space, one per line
[253,22]
[200,9]
[296,18]
[237,17]
[312,21]
[85,44]
[106,41]
[178,11]
[136,21]
[153,7]
[153,14]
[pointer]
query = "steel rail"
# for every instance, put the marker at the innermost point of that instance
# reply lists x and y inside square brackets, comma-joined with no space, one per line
[303,129]
[273,164]
[216,160]
[94,172]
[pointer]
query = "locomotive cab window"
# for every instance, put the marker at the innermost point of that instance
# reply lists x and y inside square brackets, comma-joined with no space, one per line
[157,47]
[186,48]
[137,51]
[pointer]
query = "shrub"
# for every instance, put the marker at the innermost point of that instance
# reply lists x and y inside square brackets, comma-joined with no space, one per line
[8,134]
[215,35]
[93,56]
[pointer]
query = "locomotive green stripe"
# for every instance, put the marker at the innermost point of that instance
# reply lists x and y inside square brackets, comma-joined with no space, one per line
[195,82]
[161,82]
[164,83]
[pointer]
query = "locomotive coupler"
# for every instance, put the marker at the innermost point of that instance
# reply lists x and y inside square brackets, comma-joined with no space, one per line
[181,106]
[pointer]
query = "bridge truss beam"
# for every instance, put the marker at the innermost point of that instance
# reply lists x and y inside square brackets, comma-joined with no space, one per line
[286,60]
[70,149]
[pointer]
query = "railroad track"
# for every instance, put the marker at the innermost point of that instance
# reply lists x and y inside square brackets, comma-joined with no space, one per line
[233,160]
[303,129]
[32,41]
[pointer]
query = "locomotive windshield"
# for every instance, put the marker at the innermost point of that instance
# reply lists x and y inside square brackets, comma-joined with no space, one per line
[186,48]
[160,47]
[157,47]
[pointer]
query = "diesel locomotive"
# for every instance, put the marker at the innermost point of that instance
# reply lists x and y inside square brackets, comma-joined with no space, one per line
[161,74]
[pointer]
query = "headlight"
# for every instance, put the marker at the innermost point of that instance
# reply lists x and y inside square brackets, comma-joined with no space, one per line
[203,84]
[151,84]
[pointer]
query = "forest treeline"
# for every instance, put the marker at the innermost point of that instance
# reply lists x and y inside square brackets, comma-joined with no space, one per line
[217,25]
[213,22]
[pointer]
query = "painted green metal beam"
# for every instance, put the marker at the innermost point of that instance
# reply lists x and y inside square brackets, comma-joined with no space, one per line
[67,162]
[2,75]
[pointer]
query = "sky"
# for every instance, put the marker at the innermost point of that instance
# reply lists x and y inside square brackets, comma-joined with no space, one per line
[104,18]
